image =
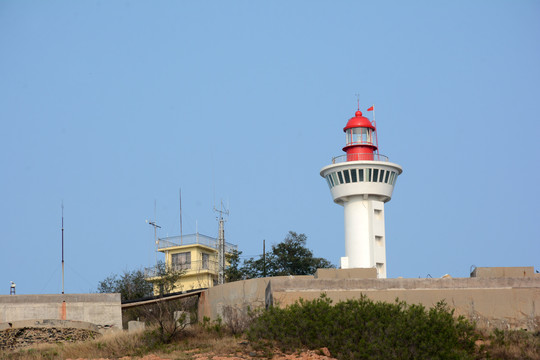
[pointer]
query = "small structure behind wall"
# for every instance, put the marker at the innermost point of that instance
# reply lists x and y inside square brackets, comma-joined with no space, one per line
[502,272]
[103,310]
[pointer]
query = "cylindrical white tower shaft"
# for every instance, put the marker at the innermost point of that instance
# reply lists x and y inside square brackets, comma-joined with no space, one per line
[364,234]
[362,181]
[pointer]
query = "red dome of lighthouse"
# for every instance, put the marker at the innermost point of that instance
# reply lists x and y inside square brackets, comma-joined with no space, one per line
[358,121]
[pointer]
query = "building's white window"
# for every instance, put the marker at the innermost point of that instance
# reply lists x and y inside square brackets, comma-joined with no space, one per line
[380,269]
[205,260]
[328,181]
[181,261]
[392,176]
[353,175]
[334,177]
[347,176]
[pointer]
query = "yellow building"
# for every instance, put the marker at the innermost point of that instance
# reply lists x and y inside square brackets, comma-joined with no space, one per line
[196,255]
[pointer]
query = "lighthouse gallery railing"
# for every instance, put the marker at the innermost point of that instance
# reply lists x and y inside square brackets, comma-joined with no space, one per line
[359,157]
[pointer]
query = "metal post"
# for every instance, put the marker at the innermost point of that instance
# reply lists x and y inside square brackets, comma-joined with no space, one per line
[62,247]
[221,252]
[264,258]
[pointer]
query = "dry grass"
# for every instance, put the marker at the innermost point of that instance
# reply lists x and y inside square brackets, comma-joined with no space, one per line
[201,343]
[511,344]
[115,345]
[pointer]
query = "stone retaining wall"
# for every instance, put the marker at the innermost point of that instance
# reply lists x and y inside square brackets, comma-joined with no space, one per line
[15,338]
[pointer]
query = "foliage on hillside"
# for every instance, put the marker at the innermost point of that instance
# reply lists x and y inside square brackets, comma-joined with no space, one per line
[363,329]
[134,285]
[289,257]
[131,285]
[213,340]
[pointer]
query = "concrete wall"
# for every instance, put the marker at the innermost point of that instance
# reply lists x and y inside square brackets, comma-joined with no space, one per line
[103,310]
[505,303]
[358,273]
[234,299]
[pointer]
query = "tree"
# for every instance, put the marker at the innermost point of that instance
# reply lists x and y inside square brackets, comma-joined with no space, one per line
[233,271]
[169,315]
[131,285]
[165,278]
[290,257]
[134,284]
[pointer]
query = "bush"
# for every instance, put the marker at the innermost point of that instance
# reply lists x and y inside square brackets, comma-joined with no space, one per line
[513,344]
[363,329]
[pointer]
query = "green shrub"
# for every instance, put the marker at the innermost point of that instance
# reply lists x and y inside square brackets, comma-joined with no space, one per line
[363,329]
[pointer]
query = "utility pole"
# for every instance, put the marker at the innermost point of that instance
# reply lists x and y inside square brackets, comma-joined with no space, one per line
[62,247]
[180,198]
[264,258]
[221,244]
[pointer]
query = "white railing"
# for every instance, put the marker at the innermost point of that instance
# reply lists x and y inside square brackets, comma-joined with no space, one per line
[359,157]
[187,268]
[192,239]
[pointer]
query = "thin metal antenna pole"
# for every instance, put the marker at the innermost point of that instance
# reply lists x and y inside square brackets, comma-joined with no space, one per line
[156,226]
[264,258]
[62,247]
[181,234]
[155,230]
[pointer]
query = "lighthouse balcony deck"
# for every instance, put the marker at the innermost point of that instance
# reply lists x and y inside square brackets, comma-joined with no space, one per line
[359,157]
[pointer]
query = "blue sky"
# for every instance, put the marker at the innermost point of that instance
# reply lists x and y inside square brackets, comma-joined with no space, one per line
[110,106]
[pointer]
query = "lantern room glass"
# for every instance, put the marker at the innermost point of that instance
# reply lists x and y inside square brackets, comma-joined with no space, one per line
[361,135]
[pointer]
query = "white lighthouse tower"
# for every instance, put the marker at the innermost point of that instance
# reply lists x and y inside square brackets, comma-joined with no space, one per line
[362,181]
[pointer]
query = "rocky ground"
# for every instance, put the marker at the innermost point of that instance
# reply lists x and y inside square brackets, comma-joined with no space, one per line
[16,338]
[322,354]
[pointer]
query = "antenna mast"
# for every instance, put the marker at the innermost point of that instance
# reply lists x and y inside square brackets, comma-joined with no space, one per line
[221,244]
[181,235]
[156,226]
[62,247]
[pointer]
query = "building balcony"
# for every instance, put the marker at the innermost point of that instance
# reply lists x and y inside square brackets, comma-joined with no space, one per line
[193,239]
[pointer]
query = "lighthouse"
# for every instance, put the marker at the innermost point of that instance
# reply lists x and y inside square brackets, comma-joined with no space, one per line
[362,180]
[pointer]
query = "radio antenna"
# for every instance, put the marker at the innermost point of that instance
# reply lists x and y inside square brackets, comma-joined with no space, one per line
[62,247]
[180,198]
[221,243]
[156,226]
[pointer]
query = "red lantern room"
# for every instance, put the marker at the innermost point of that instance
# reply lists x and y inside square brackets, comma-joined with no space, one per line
[361,142]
